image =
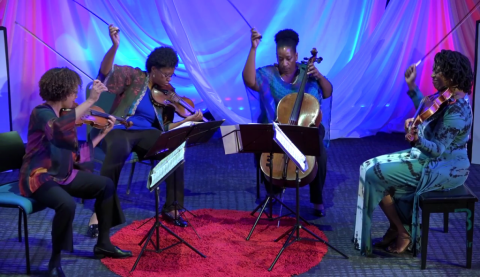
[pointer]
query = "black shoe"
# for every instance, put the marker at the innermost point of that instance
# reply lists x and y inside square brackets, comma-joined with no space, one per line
[93,231]
[179,221]
[116,253]
[56,272]
[319,213]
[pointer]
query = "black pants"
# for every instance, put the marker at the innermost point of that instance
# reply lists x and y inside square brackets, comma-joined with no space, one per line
[316,186]
[119,144]
[60,198]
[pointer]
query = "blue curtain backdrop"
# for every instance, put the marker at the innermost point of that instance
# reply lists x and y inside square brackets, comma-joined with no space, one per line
[365,48]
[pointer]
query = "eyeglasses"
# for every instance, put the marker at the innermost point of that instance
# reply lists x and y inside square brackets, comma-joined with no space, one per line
[167,76]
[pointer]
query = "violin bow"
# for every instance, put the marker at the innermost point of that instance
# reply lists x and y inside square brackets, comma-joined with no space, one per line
[241,15]
[92,13]
[51,48]
[451,31]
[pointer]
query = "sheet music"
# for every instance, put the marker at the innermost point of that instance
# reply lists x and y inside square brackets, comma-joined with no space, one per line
[290,149]
[166,165]
[230,139]
[186,124]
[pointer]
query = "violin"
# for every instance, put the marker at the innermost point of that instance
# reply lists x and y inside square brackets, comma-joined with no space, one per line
[96,117]
[166,96]
[301,109]
[428,107]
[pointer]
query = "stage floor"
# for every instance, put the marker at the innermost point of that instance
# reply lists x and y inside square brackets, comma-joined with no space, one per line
[218,181]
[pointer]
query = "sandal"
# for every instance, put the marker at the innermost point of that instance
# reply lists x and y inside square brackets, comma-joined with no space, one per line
[403,246]
[388,238]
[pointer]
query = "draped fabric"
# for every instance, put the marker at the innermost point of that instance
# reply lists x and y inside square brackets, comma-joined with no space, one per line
[365,48]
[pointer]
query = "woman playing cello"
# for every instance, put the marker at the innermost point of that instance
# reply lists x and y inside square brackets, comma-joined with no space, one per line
[285,78]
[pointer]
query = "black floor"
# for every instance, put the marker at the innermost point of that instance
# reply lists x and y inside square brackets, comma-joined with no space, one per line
[215,180]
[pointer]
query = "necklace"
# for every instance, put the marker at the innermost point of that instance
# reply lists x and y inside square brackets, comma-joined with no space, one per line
[294,81]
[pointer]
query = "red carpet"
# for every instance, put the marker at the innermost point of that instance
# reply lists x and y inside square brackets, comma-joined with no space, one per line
[223,234]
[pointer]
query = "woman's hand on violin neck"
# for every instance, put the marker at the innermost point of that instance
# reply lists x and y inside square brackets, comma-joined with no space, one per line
[114,35]
[410,76]
[197,116]
[97,89]
[408,122]
[111,123]
[255,38]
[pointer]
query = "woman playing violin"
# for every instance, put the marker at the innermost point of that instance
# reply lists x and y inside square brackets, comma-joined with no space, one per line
[134,102]
[437,160]
[285,78]
[52,166]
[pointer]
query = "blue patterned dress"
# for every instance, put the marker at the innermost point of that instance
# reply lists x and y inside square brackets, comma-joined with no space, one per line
[438,161]
[273,89]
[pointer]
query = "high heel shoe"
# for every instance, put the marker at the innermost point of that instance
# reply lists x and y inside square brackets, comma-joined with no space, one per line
[387,239]
[404,246]
[116,253]
[56,272]
[179,221]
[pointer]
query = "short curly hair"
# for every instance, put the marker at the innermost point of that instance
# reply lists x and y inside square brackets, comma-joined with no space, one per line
[287,37]
[160,57]
[456,68]
[58,83]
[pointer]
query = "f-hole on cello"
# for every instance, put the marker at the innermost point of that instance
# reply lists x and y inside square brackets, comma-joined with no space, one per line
[294,109]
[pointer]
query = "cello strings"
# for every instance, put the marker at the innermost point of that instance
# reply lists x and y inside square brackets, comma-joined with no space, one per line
[451,31]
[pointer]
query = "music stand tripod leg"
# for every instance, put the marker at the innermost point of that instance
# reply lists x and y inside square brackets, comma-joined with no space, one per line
[148,237]
[258,218]
[296,229]
[268,200]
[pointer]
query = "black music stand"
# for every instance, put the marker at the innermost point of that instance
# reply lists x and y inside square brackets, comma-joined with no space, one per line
[167,142]
[258,138]
[194,135]
[156,226]
[202,133]
[294,232]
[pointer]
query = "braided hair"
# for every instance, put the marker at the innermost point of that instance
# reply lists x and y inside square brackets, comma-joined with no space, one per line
[456,68]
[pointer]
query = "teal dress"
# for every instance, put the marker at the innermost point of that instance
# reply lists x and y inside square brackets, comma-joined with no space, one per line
[273,89]
[438,161]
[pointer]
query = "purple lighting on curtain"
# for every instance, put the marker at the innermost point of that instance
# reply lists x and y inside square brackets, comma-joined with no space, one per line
[366,48]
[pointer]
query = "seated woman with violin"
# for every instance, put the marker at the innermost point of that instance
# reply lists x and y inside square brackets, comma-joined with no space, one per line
[437,160]
[54,163]
[134,102]
[286,78]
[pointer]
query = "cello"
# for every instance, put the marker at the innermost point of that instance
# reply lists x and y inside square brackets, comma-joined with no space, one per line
[294,109]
